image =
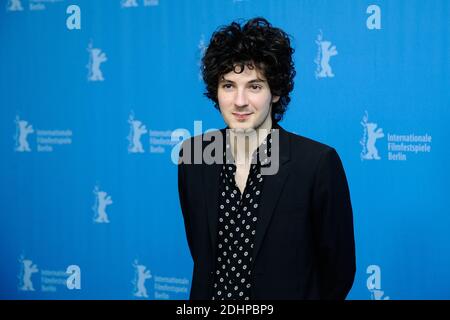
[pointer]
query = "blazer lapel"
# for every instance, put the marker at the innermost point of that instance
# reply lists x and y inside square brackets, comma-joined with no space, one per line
[211,181]
[273,184]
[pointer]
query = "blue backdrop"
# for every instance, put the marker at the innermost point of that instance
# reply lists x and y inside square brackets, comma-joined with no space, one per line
[92,90]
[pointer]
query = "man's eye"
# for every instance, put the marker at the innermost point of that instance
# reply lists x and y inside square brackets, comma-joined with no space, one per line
[227,86]
[255,87]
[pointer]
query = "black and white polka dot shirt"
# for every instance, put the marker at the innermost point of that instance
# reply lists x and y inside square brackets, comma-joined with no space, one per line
[238,216]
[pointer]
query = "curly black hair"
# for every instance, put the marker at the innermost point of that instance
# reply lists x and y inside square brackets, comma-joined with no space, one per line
[256,44]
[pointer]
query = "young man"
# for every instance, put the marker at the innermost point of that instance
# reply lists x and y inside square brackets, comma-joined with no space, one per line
[272,219]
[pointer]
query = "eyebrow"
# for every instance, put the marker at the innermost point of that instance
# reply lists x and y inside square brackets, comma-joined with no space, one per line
[251,81]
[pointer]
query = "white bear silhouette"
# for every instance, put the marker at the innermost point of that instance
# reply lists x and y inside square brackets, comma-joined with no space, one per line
[97,57]
[14,5]
[327,53]
[28,269]
[102,201]
[24,130]
[142,275]
[138,129]
[372,151]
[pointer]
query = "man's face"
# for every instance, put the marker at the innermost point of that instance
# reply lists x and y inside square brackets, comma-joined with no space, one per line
[245,100]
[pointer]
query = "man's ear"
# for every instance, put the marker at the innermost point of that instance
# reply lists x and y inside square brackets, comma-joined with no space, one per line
[275,99]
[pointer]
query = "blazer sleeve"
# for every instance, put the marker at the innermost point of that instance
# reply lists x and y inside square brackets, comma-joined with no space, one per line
[333,228]
[183,203]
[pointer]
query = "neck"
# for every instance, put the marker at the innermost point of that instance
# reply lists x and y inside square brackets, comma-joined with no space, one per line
[244,142]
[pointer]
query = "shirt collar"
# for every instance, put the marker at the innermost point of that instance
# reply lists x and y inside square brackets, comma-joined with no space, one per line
[261,156]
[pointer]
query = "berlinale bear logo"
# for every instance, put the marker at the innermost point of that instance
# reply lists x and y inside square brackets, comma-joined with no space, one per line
[369,151]
[23,129]
[324,54]
[102,199]
[137,129]
[141,275]
[26,271]
[96,58]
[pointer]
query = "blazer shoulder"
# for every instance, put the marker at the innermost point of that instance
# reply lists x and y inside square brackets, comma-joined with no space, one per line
[301,144]
[316,157]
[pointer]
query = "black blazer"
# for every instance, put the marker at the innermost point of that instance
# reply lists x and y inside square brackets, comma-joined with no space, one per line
[304,243]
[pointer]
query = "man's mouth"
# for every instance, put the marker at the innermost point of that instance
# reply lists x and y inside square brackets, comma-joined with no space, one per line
[242,115]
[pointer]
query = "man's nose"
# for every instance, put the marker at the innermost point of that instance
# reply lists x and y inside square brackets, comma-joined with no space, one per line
[240,100]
